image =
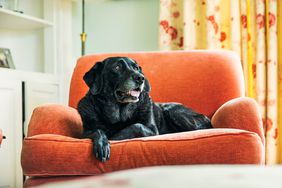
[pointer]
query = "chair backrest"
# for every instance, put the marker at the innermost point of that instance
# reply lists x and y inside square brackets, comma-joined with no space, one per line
[200,79]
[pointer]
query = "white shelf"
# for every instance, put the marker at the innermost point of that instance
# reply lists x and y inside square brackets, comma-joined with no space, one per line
[14,20]
[13,74]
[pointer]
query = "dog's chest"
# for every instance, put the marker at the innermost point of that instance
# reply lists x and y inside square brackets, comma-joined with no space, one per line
[118,114]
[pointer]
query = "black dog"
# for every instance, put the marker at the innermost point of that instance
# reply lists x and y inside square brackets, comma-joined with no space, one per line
[117,106]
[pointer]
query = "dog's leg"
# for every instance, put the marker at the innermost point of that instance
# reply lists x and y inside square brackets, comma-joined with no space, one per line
[133,131]
[101,146]
[181,118]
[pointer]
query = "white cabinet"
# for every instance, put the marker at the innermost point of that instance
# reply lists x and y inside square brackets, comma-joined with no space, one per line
[37,94]
[11,124]
[18,98]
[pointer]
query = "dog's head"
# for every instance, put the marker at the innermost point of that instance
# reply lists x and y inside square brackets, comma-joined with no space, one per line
[120,77]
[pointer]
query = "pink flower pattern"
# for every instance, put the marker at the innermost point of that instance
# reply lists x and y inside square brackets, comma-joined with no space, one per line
[272,19]
[215,25]
[176,14]
[172,32]
[222,36]
[244,20]
[260,18]
[169,29]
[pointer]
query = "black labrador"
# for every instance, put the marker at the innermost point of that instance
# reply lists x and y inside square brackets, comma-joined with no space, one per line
[118,106]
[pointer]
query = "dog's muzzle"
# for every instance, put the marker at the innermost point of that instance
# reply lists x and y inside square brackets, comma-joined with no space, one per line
[127,96]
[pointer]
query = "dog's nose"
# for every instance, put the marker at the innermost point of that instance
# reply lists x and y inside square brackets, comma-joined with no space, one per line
[139,78]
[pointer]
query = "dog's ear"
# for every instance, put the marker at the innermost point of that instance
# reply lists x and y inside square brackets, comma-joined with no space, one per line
[147,86]
[93,78]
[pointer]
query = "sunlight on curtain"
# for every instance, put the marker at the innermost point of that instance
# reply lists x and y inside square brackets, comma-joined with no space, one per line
[251,28]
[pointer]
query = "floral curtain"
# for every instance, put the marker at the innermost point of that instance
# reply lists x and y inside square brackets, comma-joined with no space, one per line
[251,28]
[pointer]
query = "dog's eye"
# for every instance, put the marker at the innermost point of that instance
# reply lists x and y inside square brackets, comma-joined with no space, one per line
[135,68]
[117,67]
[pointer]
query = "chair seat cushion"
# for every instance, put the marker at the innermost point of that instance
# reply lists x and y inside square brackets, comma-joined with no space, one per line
[53,155]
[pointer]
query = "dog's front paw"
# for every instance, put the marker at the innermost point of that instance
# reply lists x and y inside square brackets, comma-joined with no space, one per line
[102,151]
[101,147]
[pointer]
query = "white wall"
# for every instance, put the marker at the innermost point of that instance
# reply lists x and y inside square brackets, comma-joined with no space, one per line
[26,48]
[117,26]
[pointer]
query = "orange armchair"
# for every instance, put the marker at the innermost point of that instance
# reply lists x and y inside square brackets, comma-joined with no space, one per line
[210,82]
[1,137]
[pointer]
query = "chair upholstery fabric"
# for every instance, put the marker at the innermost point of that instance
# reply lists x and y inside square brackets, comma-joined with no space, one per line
[208,81]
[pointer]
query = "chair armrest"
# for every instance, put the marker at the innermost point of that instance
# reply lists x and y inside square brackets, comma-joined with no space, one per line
[55,119]
[240,113]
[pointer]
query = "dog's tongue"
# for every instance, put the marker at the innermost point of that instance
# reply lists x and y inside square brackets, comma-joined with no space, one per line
[134,93]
